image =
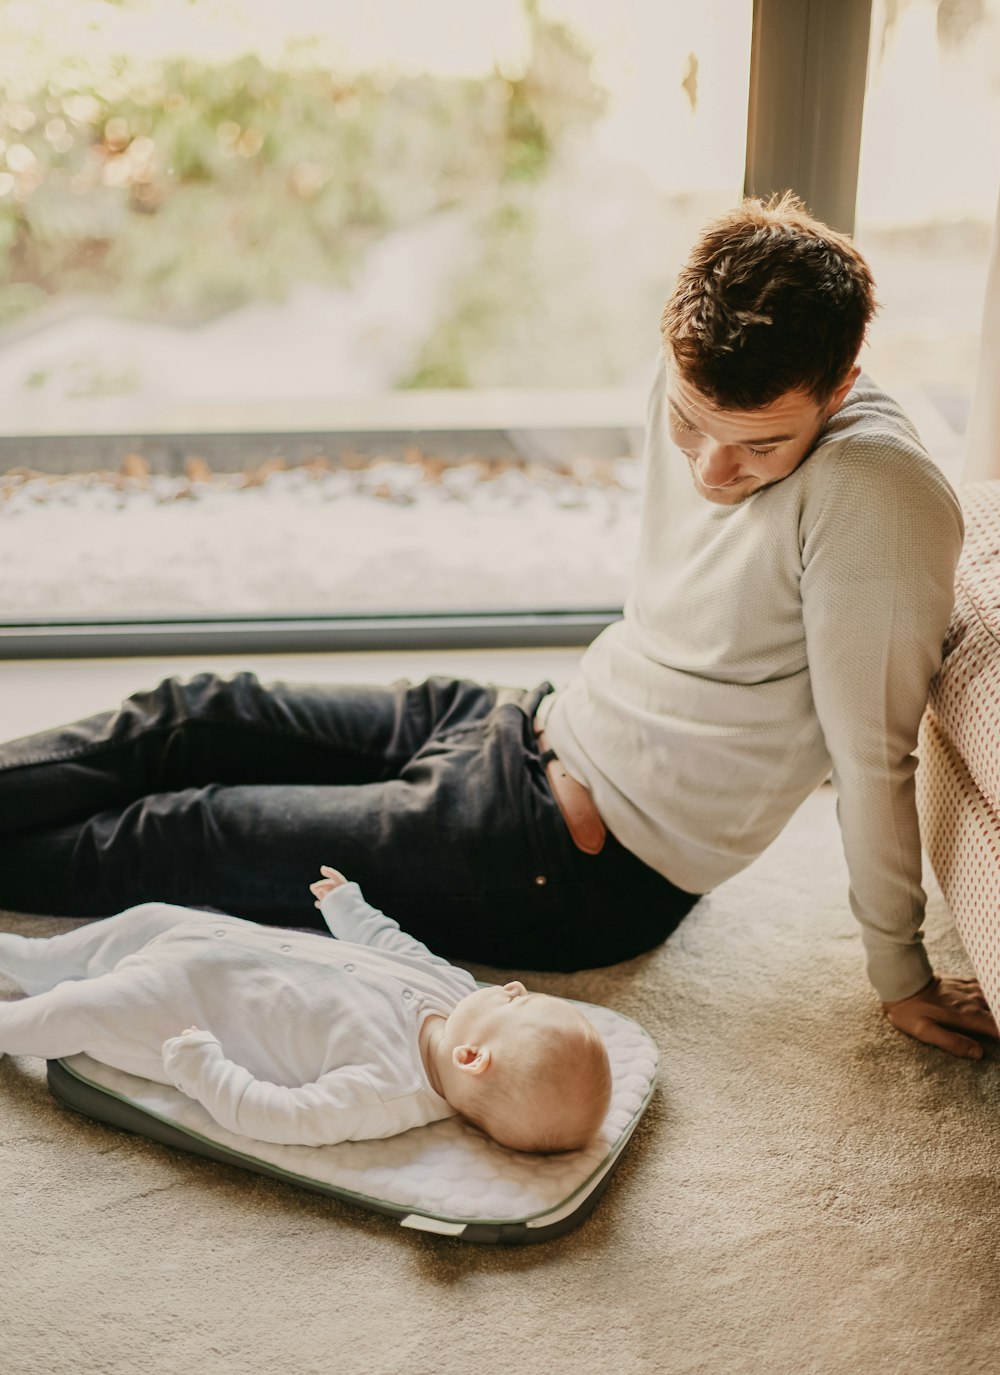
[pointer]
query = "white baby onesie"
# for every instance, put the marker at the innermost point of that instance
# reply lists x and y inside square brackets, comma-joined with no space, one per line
[305,1040]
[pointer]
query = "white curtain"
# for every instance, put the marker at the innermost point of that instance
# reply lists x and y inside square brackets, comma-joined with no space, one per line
[982,452]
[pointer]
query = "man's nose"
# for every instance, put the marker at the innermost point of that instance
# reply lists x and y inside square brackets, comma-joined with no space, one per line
[718,464]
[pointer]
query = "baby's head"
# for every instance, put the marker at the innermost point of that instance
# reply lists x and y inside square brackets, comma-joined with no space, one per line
[529,1069]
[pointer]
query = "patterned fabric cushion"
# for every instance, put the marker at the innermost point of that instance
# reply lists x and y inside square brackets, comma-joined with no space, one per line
[961,834]
[965,695]
[958,781]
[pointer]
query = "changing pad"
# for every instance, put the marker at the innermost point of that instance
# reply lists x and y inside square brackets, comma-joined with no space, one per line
[446,1177]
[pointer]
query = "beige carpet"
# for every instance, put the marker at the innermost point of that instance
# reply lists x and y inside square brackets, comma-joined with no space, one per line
[810,1193]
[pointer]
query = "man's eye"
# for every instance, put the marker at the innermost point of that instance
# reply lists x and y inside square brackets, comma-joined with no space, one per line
[763,453]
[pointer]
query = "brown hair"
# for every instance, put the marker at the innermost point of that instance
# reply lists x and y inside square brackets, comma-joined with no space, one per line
[551,1097]
[770,300]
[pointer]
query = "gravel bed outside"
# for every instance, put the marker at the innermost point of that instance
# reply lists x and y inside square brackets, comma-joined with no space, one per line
[421,534]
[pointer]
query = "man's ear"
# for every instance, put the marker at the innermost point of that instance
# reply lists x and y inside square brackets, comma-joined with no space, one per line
[471,1059]
[840,394]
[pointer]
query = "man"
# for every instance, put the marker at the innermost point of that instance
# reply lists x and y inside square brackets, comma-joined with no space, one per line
[794,583]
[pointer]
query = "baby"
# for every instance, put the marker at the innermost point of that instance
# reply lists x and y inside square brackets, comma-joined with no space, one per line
[309,1041]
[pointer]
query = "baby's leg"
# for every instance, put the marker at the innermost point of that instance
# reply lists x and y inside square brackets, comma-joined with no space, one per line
[37,963]
[70,1018]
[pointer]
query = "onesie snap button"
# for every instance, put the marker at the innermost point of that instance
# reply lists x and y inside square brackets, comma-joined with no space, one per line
[407,993]
[286,947]
[220,933]
[348,968]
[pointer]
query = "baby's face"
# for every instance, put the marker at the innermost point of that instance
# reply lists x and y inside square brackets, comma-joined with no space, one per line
[501,1015]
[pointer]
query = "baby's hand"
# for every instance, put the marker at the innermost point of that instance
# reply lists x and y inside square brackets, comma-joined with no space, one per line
[332,879]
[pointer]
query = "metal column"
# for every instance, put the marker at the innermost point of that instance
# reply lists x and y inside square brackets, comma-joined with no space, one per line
[808,68]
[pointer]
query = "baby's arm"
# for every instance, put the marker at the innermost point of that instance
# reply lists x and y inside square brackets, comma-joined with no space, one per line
[339,1106]
[350,918]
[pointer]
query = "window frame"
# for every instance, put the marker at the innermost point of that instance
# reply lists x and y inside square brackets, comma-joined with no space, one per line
[803,134]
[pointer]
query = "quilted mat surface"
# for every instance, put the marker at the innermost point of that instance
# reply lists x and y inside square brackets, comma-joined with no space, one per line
[447,1170]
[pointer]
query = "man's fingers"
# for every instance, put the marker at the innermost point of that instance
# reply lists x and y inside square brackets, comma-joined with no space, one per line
[971,1013]
[940,1011]
[934,1034]
[983,1023]
[967,1017]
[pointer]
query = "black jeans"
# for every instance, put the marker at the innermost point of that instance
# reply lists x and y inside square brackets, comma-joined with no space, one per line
[228,794]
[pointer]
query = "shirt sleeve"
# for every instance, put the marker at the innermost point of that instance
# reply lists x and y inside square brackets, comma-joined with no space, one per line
[350,918]
[881,536]
[339,1106]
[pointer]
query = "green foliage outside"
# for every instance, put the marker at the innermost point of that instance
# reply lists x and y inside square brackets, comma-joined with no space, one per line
[194,188]
[490,305]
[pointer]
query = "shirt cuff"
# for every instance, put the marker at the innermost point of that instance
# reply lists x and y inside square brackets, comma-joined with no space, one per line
[897,971]
[175,1046]
[336,897]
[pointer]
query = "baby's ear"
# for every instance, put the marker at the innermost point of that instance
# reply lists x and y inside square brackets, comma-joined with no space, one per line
[471,1059]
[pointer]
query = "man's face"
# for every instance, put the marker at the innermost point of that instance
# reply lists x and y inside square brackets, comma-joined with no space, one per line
[733,454]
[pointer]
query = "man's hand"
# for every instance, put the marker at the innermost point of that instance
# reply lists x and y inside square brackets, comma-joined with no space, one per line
[941,1004]
[332,878]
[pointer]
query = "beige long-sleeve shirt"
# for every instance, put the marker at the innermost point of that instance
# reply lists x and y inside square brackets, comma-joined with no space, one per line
[766,644]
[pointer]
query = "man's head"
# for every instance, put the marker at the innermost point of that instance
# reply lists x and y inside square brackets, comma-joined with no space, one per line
[761,335]
[529,1069]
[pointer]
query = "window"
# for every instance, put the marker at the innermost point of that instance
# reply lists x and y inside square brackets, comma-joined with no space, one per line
[927,199]
[313,309]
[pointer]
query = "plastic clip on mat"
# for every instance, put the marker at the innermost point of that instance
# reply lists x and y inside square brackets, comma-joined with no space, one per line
[446,1177]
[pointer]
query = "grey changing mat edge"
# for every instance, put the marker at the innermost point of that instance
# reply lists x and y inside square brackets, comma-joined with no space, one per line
[556,1209]
[73,1089]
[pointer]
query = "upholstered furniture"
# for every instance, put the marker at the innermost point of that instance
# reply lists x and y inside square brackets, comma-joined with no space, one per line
[958,781]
